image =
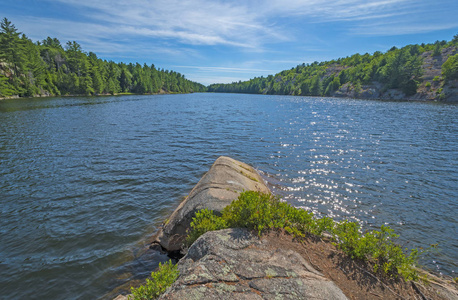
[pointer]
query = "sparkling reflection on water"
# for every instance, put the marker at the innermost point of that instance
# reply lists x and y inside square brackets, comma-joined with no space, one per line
[85,181]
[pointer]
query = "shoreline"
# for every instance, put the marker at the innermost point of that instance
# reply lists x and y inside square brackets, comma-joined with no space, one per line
[349,97]
[97,95]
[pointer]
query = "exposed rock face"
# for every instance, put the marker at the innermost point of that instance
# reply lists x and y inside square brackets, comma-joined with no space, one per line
[225,180]
[431,68]
[236,264]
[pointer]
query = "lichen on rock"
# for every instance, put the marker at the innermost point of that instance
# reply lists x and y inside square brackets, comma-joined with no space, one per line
[237,262]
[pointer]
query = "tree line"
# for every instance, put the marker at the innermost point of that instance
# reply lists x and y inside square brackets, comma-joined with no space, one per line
[48,68]
[399,69]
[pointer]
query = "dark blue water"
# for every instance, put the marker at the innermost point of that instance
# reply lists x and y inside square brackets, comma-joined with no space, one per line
[85,181]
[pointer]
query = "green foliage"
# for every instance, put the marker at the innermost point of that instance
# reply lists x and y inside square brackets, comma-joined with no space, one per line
[376,246]
[251,210]
[204,220]
[428,85]
[436,78]
[261,212]
[437,50]
[28,69]
[450,68]
[358,88]
[332,86]
[6,89]
[160,280]
[410,88]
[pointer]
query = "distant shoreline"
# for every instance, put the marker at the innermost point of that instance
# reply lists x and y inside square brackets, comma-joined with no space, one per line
[83,95]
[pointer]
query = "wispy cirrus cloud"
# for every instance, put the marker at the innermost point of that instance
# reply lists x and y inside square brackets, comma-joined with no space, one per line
[199,22]
[249,25]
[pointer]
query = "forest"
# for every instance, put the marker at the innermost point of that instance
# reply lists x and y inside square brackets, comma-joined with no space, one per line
[46,68]
[427,69]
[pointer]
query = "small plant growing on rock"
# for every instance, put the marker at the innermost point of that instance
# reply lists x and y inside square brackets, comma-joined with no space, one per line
[159,282]
[378,247]
[204,220]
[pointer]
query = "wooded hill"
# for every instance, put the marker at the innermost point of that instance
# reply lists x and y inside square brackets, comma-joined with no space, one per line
[414,72]
[48,68]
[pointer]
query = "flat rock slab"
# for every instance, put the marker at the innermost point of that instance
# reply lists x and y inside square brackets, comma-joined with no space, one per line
[222,184]
[236,264]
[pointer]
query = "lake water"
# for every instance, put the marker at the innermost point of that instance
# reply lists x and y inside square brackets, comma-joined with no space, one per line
[85,181]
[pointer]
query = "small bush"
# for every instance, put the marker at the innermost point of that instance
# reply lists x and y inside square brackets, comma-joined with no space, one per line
[428,85]
[254,211]
[436,78]
[159,282]
[204,220]
[379,247]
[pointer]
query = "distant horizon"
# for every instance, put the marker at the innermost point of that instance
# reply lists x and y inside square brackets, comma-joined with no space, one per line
[230,41]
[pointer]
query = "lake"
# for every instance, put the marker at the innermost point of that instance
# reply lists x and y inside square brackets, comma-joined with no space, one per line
[85,181]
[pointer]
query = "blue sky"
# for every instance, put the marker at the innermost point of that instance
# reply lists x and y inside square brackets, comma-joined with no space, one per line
[220,41]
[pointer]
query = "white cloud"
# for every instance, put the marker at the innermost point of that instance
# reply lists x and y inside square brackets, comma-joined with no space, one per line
[199,22]
[335,10]
[101,39]
[248,25]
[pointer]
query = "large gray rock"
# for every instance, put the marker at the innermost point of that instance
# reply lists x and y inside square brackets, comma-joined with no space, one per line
[223,183]
[236,264]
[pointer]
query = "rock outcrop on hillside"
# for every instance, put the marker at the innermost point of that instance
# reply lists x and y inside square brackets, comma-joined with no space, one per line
[432,86]
[225,180]
[236,264]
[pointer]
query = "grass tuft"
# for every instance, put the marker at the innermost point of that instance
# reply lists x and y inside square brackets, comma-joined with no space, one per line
[159,282]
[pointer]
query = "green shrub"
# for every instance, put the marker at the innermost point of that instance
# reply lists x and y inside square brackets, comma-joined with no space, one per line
[159,282]
[204,220]
[260,212]
[436,78]
[410,87]
[254,211]
[379,247]
[428,85]
[450,68]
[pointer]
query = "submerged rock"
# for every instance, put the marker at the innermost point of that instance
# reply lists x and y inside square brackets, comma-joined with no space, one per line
[222,184]
[236,264]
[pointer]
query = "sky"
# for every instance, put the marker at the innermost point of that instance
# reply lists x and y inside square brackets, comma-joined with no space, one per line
[221,41]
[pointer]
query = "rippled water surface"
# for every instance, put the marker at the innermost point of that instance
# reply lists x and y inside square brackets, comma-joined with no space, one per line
[85,181]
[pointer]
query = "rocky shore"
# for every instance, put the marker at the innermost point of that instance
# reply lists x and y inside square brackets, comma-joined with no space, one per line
[237,264]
